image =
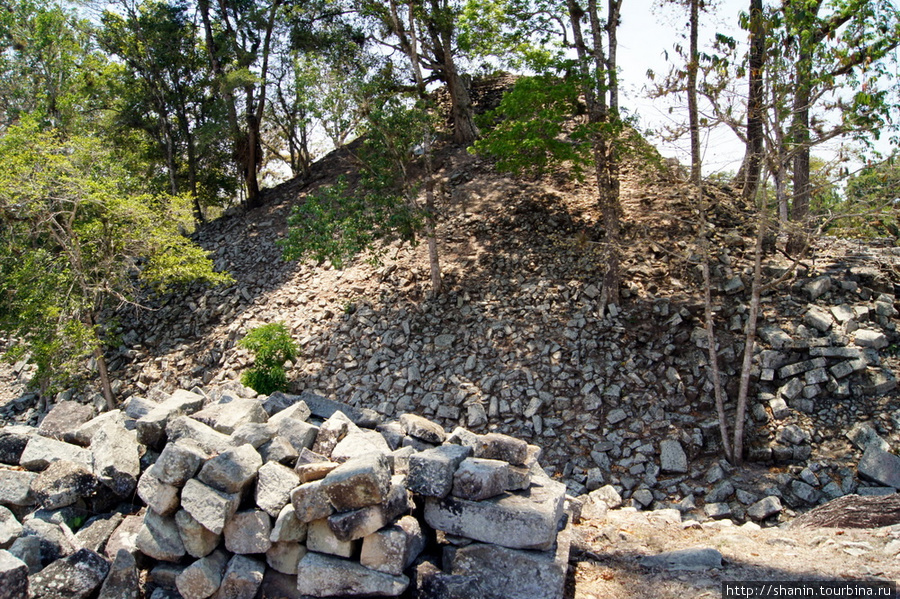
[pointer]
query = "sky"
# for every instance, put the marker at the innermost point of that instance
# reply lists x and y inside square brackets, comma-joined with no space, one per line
[647,32]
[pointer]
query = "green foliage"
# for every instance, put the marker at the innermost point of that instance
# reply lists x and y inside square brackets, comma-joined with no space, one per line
[75,234]
[337,223]
[530,133]
[272,346]
[872,196]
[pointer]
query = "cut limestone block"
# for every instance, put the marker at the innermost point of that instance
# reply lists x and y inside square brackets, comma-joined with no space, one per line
[514,574]
[242,578]
[230,413]
[287,527]
[40,452]
[324,576]
[63,483]
[248,532]
[273,488]
[497,446]
[394,548]
[63,419]
[153,426]
[320,538]
[522,520]
[479,478]
[359,443]
[178,462]
[202,578]
[358,483]
[284,557]
[210,507]
[159,496]
[310,502]
[210,440]
[431,471]
[77,576]
[422,428]
[158,538]
[15,487]
[123,580]
[233,470]
[10,528]
[117,463]
[880,466]
[198,540]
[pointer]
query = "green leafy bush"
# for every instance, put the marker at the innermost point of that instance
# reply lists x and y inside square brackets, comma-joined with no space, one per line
[272,346]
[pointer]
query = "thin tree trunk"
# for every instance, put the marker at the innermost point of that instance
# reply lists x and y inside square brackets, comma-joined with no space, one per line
[740,414]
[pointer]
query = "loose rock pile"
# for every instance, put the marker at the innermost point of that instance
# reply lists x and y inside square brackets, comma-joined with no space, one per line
[297,495]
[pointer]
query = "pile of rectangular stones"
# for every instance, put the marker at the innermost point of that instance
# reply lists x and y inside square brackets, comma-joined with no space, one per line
[285,496]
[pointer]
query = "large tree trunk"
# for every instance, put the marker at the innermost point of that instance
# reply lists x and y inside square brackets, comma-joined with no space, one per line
[464,129]
[853,511]
[693,113]
[754,153]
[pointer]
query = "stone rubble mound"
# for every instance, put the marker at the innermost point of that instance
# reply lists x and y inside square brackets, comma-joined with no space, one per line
[235,496]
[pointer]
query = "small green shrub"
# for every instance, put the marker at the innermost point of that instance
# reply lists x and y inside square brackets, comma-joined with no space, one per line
[272,346]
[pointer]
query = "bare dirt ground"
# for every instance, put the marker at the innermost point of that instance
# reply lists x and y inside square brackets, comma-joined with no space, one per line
[606,556]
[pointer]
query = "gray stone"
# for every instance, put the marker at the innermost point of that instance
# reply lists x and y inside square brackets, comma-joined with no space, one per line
[672,457]
[326,408]
[331,433]
[63,483]
[717,511]
[360,443]
[13,440]
[323,576]
[229,413]
[870,338]
[356,524]
[248,532]
[515,574]
[698,558]
[285,556]
[301,435]
[791,389]
[862,435]
[526,519]
[432,583]
[77,576]
[273,488]
[764,508]
[153,426]
[314,471]
[123,581]
[96,531]
[320,538]
[805,492]
[158,538]
[287,527]
[117,463]
[40,452]
[296,411]
[880,466]
[160,497]
[198,540]
[422,428]
[358,483]
[13,576]
[431,471]
[848,367]
[233,470]
[85,433]
[480,478]
[642,497]
[15,487]
[207,438]
[209,506]
[278,402]
[125,536]
[54,542]
[242,578]
[10,528]
[496,446]
[720,492]
[27,549]
[310,502]
[393,549]
[818,319]
[792,435]
[178,462]
[63,419]
[279,450]
[254,433]
[202,578]
[779,408]
[817,287]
